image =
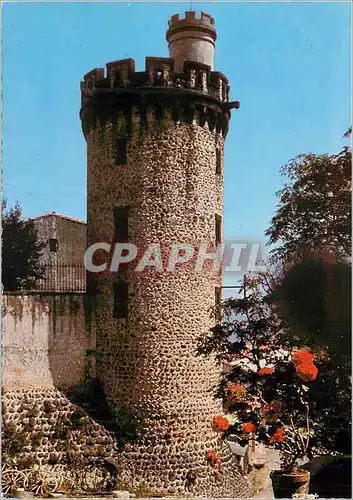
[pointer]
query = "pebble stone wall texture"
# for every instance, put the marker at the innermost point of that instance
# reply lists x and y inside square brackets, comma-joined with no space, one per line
[173,125]
[43,428]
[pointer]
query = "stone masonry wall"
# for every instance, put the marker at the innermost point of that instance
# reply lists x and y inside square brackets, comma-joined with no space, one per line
[46,229]
[72,239]
[46,341]
[173,191]
[46,338]
[45,434]
[71,236]
[149,360]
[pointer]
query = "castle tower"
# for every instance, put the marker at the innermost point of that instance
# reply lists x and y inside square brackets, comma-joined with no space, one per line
[155,175]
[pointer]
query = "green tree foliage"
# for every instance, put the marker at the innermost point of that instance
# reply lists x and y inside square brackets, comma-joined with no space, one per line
[312,233]
[313,215]
[314,298]
[20,250]
[249,323]
[331,407]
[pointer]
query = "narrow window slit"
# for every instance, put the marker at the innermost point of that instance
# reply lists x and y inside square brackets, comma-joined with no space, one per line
[218,229]
[121,224]
[121,299]
[218,161]
[121,151]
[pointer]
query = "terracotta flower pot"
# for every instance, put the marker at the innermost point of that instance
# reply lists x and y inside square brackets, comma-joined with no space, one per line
[285,485]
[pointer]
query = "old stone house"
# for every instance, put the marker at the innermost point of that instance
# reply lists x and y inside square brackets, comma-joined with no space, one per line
[64,240]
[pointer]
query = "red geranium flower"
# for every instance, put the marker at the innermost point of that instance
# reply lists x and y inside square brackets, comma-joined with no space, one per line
[237,392]
[266,370]
[302,356]
[221,423]
[249,427]
[307,371]
[277,437]
[213,459]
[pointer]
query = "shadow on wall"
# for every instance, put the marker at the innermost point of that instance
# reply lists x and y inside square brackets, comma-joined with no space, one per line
[70,338]
[125,424]
[46,339]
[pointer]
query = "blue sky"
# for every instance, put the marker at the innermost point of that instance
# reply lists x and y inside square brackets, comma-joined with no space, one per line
[288,64]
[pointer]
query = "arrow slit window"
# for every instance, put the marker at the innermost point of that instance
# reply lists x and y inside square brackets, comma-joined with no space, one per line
[218,161]
[120,152]
[121,299]
[121,224]
[218,224]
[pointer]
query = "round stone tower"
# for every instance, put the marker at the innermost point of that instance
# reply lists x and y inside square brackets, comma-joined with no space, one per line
[155,176]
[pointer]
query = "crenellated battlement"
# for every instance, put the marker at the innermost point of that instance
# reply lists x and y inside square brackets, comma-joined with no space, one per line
[159,72]
[197,93]
[191,18]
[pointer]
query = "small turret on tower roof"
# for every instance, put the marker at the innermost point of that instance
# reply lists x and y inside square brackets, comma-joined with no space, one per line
[191,38]
[191,19]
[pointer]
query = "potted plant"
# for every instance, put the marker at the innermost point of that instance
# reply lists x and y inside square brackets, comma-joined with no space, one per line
[293,427]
